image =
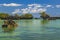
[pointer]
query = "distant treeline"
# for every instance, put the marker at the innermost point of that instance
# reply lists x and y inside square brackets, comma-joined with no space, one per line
[16,16]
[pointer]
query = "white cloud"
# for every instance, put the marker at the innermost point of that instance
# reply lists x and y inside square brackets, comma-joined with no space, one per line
[42,10]
[40,6]
[11,4]
[36,5]
[16,11]
[49,6]
[35,9]
[24,10]
[58,6]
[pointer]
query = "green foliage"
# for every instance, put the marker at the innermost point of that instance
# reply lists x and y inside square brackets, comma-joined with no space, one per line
[16,16]
[27,16]
[44,15]
[3,15]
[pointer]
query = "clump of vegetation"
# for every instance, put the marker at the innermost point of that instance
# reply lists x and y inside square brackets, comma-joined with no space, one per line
[26,16]
[3,15]
[16,16]
[44,15]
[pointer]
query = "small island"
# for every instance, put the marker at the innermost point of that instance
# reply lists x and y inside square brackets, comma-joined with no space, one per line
[45,16]
[4,16]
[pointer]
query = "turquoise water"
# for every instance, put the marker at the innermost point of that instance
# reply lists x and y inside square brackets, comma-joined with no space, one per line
[35,29]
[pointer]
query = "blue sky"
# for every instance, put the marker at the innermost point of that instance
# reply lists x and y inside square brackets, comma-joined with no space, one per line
[51,7]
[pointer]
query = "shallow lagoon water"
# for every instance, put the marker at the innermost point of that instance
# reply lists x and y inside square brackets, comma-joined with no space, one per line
[34,29]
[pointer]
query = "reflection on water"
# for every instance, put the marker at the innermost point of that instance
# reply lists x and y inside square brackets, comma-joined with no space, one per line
[35,29]
[44,22]
[6,29]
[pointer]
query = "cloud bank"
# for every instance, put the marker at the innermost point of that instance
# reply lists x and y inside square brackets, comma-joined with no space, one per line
[11,4]
[32,8]
[58,6]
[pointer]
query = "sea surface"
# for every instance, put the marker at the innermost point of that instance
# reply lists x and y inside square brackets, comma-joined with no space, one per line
[34,29]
